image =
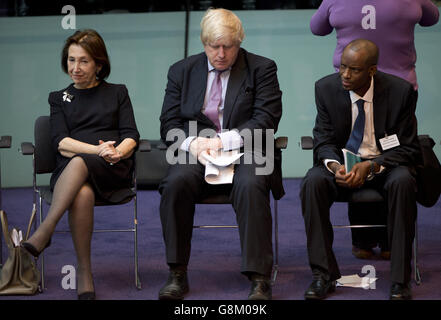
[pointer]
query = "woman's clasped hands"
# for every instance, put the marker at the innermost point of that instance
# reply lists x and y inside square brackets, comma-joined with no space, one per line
[107,151]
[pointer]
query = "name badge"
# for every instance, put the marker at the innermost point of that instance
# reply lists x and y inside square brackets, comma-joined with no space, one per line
[389,142]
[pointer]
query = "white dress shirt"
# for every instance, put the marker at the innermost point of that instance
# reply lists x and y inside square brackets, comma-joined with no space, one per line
[368,148]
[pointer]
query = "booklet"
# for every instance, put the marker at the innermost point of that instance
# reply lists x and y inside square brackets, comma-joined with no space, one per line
[220,169]
[350,159]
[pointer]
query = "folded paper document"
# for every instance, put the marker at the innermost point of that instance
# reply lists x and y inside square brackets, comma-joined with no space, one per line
[220,169]
[355,281]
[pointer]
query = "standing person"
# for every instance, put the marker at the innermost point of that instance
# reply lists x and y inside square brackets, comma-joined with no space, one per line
[390,24]
[94,134]
[357,109]
[225,89]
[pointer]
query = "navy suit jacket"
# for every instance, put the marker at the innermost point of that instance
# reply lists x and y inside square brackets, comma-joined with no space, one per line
[394,106]
[253,99]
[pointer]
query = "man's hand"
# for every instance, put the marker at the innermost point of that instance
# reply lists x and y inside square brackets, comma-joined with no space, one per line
[203,160]
[341,177]
[360,172]
[353,179]
[208,145]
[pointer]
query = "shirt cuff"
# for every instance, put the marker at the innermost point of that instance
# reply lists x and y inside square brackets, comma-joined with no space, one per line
[185,146]
[231,140]
[326,161]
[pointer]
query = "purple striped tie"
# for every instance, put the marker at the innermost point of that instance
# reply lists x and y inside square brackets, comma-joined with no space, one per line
[214,100]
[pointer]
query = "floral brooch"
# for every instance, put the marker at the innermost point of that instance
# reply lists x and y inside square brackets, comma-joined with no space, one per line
[67,97]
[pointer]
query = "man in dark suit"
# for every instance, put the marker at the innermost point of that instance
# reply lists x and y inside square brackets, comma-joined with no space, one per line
[372,114]
[227,90]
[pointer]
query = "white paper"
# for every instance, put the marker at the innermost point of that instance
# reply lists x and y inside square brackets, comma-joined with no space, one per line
[225,158]
[218,175]
[220,169]
[16,237]
[355,281]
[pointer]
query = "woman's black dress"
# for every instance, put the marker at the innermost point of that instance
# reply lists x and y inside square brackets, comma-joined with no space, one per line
[103,113]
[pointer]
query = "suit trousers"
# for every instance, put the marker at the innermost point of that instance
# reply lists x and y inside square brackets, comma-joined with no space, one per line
[184,185]
[319,191]
[368,213]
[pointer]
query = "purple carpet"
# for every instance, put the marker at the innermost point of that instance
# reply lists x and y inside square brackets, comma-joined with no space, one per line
[215,261]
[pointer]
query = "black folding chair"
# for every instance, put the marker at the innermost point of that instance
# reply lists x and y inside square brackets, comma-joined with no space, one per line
[44,162]
[367,195]
[153,167]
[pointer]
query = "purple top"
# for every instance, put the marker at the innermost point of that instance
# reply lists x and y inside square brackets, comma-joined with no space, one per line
[388,23]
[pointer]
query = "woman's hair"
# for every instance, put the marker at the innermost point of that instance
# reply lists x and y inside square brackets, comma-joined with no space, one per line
[94,45]
[219,23]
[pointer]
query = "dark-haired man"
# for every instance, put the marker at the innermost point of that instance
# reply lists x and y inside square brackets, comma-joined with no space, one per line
[372,114]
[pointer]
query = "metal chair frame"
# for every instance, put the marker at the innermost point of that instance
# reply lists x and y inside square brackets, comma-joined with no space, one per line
[45,195]
[224,199]
[280,143]
[360,196]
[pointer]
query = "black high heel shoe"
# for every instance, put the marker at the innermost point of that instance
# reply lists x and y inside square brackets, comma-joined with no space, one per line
[32,250]
[88,295]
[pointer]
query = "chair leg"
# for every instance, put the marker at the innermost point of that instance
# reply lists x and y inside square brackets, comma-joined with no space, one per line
[42,286]
[1,247]
[417,275]
[1,231]
[137,280]
[276,244]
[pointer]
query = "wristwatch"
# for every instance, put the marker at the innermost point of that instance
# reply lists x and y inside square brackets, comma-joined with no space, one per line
[371,170]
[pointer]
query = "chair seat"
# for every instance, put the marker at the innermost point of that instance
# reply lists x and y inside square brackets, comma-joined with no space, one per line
[362,195]
[215,199]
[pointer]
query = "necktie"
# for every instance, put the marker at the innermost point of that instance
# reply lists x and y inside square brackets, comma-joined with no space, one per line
[214,100]
[357,133]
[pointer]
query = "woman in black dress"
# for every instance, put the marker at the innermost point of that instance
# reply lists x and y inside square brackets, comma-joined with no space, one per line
[94,133]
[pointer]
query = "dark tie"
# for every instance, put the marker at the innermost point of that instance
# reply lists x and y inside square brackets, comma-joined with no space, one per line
[214,100]
[357,133]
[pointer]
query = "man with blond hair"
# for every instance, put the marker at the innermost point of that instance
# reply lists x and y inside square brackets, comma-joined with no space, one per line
[227,90]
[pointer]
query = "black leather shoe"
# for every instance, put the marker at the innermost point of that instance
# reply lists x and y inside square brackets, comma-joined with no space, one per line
[260,288]
[176,286]
[320,287]
[399,291]
[32,250]
[89,295]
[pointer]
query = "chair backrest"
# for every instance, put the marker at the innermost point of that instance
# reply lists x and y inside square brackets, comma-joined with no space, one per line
[44,154]
[151,167]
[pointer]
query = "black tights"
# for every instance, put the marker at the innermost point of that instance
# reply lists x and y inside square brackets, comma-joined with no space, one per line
[73,192]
